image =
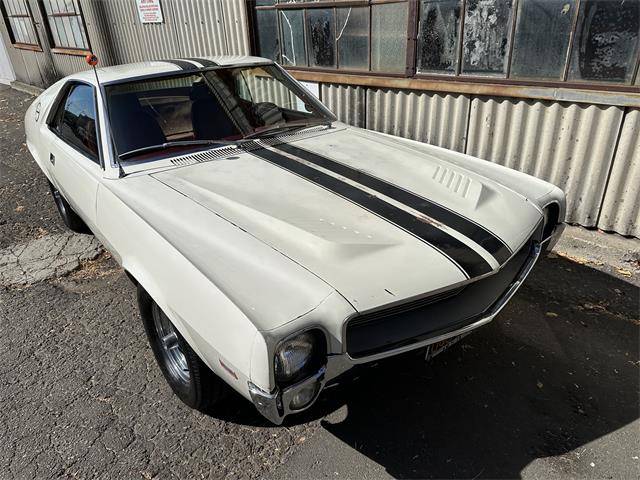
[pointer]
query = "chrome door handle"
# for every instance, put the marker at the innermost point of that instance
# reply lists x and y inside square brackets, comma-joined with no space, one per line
[52,158]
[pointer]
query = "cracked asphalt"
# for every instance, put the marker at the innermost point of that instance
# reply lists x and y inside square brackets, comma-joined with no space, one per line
[548,390]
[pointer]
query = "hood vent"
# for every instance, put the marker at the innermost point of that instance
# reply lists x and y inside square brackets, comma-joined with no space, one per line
[454,181]
[224,152]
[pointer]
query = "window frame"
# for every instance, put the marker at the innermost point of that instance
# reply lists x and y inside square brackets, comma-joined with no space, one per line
[37,47]
[59,103]
[48,28]
[412,75]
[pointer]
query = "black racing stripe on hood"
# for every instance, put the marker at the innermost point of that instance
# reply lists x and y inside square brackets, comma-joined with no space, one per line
[203,61]
[483,237]
[183,64]
[470,262]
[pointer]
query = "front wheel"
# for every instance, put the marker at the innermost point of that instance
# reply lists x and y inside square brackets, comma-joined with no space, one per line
[190,379]
[70,218]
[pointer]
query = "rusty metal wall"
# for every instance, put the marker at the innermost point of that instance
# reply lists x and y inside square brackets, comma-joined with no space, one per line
[621,206]
[435,118]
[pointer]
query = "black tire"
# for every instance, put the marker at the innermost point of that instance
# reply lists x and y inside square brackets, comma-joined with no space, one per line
[190,379]
[68,215]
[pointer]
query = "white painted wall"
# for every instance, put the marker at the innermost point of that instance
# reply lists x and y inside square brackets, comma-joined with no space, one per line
[6,71]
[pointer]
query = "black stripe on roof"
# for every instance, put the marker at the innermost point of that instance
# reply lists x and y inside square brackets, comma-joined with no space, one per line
[183,64]
[470,262]
[203,61]
[480,235]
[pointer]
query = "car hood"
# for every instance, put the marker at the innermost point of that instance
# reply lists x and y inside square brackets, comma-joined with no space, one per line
[368,239]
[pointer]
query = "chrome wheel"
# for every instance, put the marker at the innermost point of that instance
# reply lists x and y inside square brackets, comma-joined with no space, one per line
[172,354]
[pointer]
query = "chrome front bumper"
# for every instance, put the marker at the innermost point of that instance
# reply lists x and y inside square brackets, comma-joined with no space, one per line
[275,406]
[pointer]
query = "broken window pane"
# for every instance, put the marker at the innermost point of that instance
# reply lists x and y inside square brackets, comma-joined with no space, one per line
[353,38]
[389,37]
[321,37]
[542,38]
[438,36]
[292,29]
[267,38]
[486,33]
[606,41]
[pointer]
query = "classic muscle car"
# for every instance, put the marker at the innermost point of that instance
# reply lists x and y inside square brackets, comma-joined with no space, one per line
[272,247]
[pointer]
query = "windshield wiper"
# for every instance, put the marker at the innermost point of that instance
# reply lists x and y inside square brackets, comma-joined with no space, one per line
[181,143]
[284,127]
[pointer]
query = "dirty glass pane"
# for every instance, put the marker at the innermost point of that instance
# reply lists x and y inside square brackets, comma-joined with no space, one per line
[606,41]
[321,37]
[542,38]
[267,34]
[438,36]
[292,30]
[353,38]
[389,23]
[486,31]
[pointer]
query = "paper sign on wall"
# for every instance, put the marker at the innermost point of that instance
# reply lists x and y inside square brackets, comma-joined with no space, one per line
[150,11]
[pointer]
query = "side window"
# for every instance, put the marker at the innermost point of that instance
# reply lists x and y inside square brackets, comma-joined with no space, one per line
[75,120]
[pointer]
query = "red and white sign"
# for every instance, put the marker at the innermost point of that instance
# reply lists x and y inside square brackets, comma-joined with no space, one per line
[150,11]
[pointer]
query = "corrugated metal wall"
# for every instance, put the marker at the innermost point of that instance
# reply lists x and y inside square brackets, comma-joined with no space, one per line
[190,28]
[621,206]
[439,119]
[570,145]
[591,151]
[346,102]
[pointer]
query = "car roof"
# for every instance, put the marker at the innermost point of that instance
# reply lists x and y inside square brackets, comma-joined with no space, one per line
[158,67]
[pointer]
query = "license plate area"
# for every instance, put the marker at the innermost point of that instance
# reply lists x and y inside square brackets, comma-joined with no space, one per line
[439,347]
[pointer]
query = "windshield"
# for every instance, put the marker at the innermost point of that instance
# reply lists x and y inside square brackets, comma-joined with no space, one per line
[192,110]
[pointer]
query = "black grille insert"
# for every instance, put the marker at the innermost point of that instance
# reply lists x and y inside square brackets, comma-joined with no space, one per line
[414,322]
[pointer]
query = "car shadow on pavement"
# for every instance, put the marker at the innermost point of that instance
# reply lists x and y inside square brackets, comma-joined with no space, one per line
[556,370]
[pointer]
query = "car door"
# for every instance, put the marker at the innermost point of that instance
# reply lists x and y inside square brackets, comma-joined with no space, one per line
[74,153]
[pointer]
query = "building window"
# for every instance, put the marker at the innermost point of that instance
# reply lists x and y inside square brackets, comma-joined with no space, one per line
[20,24]
[66,26]
[606,41]
[541,42]
[358,35]
[556,42]
[486,36]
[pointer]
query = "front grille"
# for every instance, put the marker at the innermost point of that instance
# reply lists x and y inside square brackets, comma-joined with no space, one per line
[399,326]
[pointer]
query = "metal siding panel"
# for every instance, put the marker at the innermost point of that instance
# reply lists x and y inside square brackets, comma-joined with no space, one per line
[68,64]
[200,28]
[435,118]
[346,102]
[569,145]
[15,56]
[159,40]
[621,205]
[236,27]
[99,31]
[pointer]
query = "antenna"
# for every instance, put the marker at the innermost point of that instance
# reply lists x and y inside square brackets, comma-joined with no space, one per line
[92,60]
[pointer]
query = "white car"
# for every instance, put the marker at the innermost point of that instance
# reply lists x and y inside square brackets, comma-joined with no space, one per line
[274,248]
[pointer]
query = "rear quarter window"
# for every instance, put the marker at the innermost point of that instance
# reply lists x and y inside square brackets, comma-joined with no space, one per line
[75,120]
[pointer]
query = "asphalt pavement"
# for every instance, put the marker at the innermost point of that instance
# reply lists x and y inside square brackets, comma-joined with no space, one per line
[550,389]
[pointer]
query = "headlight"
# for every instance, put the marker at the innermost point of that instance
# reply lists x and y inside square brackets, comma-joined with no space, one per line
[297,357]
[551,214]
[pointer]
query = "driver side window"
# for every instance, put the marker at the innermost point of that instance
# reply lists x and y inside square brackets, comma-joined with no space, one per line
[75,120]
